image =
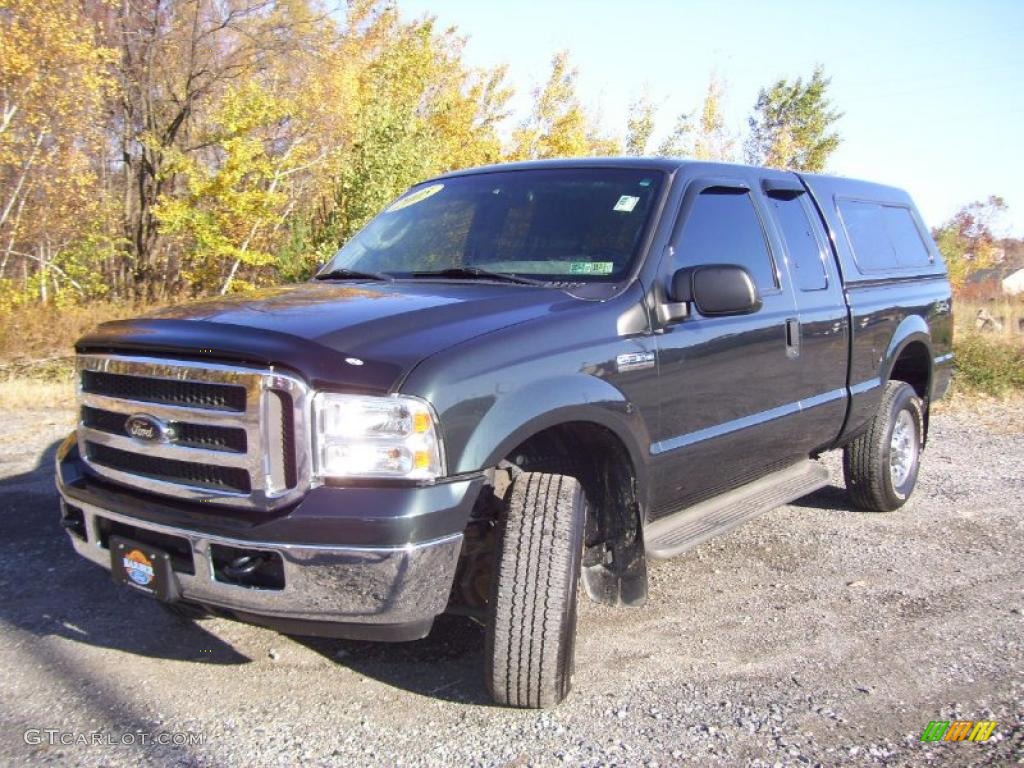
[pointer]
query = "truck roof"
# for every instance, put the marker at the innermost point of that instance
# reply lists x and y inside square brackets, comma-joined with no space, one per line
[653,163]
[670,164]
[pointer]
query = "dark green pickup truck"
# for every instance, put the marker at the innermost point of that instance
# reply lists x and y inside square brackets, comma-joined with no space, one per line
[512,380]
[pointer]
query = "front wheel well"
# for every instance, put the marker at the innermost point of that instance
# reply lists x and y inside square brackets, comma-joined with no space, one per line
[614,561]
[614,570]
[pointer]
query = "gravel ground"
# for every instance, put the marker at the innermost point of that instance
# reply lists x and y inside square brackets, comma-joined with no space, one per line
[812,636]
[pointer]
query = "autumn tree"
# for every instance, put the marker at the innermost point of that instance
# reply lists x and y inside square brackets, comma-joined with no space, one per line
[422,112]
[176,60]
[152,149]
[232,211]
[792,125]
[639,126]
[52,85]
[207,145]
[968,239]
[679,141]
[713,141]
[706,136]
[559,126]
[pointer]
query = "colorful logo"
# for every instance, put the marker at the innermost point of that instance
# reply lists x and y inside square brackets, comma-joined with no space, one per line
[958,730]
[138,567]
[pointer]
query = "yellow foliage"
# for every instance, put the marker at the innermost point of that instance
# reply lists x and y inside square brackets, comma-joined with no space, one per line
[53,82]
[559,126]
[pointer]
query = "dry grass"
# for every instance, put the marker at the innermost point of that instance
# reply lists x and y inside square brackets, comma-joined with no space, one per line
[36,347]
[25,394]
[40,333]
[1007,311]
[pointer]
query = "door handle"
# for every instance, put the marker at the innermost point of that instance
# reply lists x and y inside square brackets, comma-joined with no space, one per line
[792,337]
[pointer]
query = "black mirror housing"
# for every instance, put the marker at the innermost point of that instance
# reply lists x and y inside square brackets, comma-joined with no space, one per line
[717,289]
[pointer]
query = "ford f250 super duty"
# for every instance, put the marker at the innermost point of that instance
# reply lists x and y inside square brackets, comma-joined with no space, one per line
[513,379]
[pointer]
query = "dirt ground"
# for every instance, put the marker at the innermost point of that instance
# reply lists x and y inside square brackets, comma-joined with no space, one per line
[814,635]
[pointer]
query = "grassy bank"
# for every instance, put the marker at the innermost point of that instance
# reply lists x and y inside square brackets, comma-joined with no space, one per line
[990,356]
[992,365]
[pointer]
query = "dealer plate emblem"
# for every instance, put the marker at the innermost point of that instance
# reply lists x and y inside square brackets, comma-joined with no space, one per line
[138,567]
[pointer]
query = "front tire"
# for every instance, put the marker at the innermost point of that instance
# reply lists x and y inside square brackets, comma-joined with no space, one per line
[881,465]
[531,634]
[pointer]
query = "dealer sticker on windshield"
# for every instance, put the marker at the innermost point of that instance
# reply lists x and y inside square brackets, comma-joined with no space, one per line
[591,267]
[626,203]
[415,197]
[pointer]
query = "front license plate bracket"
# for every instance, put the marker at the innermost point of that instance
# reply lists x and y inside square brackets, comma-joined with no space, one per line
[143,567]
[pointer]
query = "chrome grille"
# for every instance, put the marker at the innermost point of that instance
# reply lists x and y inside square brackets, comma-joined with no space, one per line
[230,435]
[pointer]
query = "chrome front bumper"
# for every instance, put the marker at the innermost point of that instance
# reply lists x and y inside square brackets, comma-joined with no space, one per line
[400,585]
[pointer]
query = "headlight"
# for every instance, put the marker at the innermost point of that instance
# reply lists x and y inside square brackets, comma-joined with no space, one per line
[375,437]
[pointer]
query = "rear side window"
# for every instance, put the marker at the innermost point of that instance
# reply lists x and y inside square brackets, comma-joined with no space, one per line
[905,236]
[883,236]
[723,228]
[802,245]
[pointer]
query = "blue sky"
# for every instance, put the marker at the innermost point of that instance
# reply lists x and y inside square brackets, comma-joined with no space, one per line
[933,92]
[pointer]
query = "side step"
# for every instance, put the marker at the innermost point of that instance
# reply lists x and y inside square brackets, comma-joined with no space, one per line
[689,527]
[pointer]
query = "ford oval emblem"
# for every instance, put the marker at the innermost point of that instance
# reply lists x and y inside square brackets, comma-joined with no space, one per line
[149,429]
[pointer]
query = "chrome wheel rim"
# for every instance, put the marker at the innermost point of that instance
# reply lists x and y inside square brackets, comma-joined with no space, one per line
[902,449]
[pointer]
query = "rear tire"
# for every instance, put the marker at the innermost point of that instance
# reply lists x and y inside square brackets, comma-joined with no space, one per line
[881,465]
[531,634]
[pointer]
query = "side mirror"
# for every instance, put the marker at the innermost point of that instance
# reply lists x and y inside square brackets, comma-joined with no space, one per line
[716,289]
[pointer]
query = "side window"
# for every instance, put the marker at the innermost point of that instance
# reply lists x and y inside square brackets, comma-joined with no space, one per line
[866,229]
[802,245]
[723,228]
[905,237]
[883,236]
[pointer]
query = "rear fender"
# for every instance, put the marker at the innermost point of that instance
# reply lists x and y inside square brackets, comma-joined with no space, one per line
[912,328]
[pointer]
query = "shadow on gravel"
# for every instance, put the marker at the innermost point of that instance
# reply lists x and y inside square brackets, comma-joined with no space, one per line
[448,664]
[831,498]
[50,591]
[40,474]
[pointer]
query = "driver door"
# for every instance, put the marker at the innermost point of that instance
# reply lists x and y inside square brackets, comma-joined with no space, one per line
[726,383]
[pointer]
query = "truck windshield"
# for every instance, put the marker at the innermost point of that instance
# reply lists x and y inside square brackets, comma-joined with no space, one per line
[579,224]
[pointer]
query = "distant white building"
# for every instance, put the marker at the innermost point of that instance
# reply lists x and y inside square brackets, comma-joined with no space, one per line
[1013,284]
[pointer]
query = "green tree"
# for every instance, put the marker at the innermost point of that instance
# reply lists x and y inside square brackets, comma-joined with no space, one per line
[792,125]
[968,240]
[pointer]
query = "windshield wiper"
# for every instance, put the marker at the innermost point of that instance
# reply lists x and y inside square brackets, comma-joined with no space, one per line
[476,273]
[352,274]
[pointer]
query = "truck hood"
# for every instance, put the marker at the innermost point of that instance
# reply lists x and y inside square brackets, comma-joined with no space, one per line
[365,336]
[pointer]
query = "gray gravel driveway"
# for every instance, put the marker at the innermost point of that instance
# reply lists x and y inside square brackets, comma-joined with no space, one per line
[812,636]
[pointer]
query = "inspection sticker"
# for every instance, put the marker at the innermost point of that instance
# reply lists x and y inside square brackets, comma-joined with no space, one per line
[626,203]
[591,268]
[415,197]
